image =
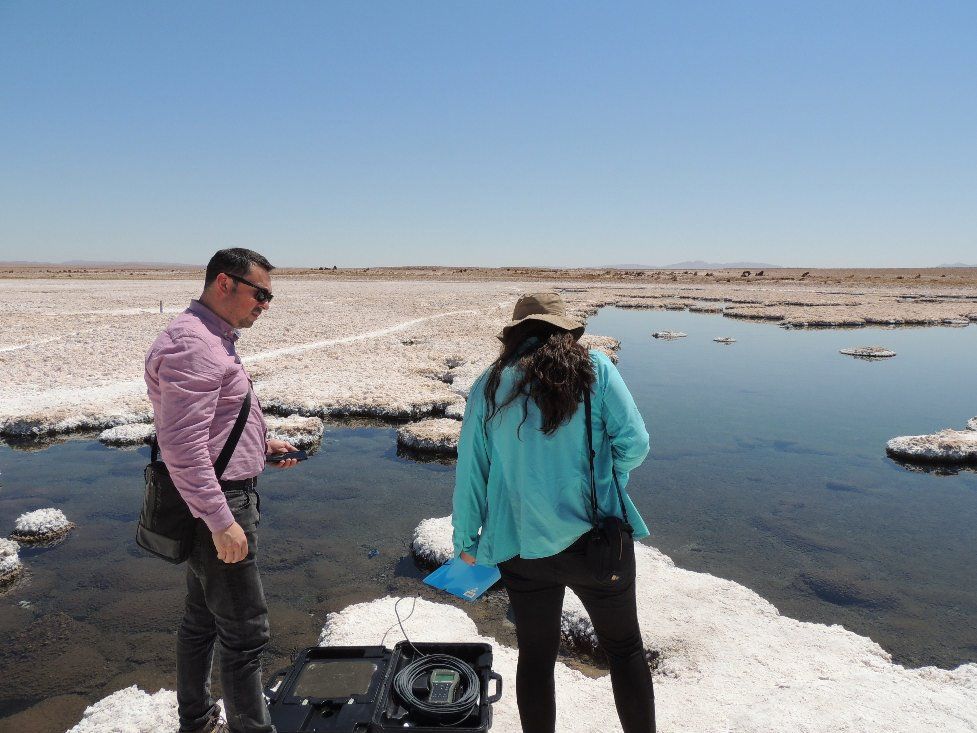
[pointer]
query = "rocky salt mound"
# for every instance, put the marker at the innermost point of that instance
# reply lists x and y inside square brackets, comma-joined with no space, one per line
[431,545]
[302,432]
[41,525]
[436,435]
[946,446]
[607,345]
[132,434]
[868,352]
[10,565]
[728,660]
[456,410]
[725,340]
[131,711]
[668,335]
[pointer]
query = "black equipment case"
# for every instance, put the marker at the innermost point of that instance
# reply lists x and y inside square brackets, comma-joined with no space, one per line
[350,690]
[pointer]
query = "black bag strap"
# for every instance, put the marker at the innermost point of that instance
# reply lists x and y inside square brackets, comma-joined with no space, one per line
[220,465]
[591,454]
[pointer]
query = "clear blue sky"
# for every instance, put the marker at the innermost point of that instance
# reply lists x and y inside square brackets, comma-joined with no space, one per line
[492,133]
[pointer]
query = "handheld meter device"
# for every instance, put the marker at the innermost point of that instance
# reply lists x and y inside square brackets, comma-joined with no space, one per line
[444,686]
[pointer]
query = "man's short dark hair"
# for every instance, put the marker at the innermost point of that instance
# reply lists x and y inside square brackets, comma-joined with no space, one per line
[234,261]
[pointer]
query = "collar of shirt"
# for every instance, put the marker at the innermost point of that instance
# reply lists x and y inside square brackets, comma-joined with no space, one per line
[214,322]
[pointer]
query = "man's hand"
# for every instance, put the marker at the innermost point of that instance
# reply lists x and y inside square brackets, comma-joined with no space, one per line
[281,446]
[467,558]
[231,544]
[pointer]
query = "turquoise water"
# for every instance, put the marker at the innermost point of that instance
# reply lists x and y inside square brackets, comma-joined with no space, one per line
[767,467]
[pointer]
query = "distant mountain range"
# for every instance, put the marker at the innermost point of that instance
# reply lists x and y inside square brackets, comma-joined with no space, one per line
[96,263]
[955,264]
[700,265]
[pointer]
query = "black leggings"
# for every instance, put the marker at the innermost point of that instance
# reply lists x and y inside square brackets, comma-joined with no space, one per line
[536,589]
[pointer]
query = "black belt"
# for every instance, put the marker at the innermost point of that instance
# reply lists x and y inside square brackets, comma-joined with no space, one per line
[247,484]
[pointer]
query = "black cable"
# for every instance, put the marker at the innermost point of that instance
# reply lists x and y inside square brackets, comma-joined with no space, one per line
[457,710]
[401,623]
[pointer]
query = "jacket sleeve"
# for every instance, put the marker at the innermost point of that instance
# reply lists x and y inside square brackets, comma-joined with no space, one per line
[190,382]
[624,424]
[471,478]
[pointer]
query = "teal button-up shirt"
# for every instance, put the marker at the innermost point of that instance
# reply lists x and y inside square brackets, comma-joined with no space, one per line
[530,493]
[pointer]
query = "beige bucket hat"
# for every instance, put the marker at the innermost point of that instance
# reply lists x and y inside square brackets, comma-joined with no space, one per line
[547,307]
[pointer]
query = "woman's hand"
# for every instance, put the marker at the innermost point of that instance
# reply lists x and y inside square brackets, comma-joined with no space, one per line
[467,558]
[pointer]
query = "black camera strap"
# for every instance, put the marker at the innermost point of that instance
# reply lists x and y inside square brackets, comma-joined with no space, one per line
[591,454]
[220,465]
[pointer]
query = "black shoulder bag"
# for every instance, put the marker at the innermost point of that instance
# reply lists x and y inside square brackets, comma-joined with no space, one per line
[610,544]
[166,526]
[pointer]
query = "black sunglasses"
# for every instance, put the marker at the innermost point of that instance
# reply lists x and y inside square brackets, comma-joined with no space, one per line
[262,295]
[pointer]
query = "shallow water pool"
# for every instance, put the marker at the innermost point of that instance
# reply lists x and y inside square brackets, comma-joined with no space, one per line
[768,467]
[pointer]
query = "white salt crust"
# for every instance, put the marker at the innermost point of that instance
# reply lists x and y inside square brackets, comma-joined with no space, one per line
[607,345]
[668,335]
[777,675]
[432,544]
[435,435]
[725,340]
[397,349]
[946,446]
[868,352]
[131,711]
[40,525]
[131,434]
[456,410]
[731,662]
[972,423]
[302,432]
[10,565]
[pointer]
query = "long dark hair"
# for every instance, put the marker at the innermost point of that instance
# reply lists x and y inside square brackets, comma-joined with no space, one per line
[553,373]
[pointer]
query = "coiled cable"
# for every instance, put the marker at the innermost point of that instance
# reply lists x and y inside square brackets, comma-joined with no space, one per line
[459,709]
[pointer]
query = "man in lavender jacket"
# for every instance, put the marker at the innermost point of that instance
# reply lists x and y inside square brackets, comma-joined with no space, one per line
[197,385]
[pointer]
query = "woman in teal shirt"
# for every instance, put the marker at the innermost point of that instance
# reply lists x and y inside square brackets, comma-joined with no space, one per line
[522,501]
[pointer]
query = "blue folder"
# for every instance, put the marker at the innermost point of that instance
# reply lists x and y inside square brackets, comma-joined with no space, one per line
[460,579]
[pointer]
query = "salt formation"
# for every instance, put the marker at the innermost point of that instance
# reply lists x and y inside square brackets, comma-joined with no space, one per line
[435,435]
[302,432]
[41,525]
[946,446]
[607,345]
[730,661]
[131,434]
[431,545]
[131,711]
[699,308]
[868,352]
[725,340]
[455,410]
[972,423]
[667,335]
[10,565]
[462,377]
[398,349]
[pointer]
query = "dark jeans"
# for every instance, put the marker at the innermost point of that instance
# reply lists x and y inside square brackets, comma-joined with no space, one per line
[225,604]
[536,589]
